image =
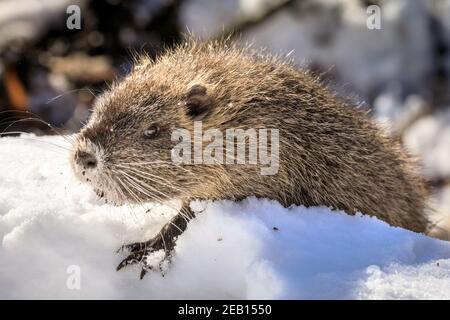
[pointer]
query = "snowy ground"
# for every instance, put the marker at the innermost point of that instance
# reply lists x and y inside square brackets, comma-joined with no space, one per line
[51,225]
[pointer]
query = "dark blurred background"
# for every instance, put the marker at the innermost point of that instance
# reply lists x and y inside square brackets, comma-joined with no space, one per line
[400,71]
[55,72]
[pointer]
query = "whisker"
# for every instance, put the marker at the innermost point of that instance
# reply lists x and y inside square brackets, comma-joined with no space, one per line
[117,186]
[70,91]
[150,176]
[168,163]
[141,185]
[11,133]
[36,118]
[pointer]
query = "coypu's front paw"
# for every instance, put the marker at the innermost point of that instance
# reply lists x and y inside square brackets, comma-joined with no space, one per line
[156,252]
[150,255]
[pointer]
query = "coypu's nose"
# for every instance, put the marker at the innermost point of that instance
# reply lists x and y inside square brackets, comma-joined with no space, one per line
[85,160]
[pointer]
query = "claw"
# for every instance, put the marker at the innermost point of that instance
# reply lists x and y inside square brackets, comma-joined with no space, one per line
[139,252]
[122,264]
[131,259]
[121,249]
[164,242]
[143,273]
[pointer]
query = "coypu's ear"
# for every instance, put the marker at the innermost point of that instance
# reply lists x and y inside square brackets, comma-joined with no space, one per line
[197,102]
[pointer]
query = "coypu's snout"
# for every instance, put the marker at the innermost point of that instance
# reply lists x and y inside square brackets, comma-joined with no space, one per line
[85,160]
[87,164]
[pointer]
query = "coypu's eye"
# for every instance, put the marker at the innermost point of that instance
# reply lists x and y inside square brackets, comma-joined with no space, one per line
[152,132]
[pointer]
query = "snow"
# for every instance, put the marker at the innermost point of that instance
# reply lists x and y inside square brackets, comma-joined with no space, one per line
[52,226]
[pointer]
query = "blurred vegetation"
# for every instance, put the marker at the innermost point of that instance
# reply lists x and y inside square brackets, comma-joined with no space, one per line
[56,74]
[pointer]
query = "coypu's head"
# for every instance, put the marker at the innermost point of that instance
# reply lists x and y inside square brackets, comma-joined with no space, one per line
[125,150]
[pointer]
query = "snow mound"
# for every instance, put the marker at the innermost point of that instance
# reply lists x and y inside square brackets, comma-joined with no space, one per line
[53,228]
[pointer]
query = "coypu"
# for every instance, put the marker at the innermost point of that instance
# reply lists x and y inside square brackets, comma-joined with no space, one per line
[330,153]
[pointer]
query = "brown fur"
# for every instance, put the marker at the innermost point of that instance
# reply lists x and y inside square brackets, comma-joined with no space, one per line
[330,152]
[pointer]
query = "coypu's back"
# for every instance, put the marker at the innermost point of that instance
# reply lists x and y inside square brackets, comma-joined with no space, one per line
[330,153]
